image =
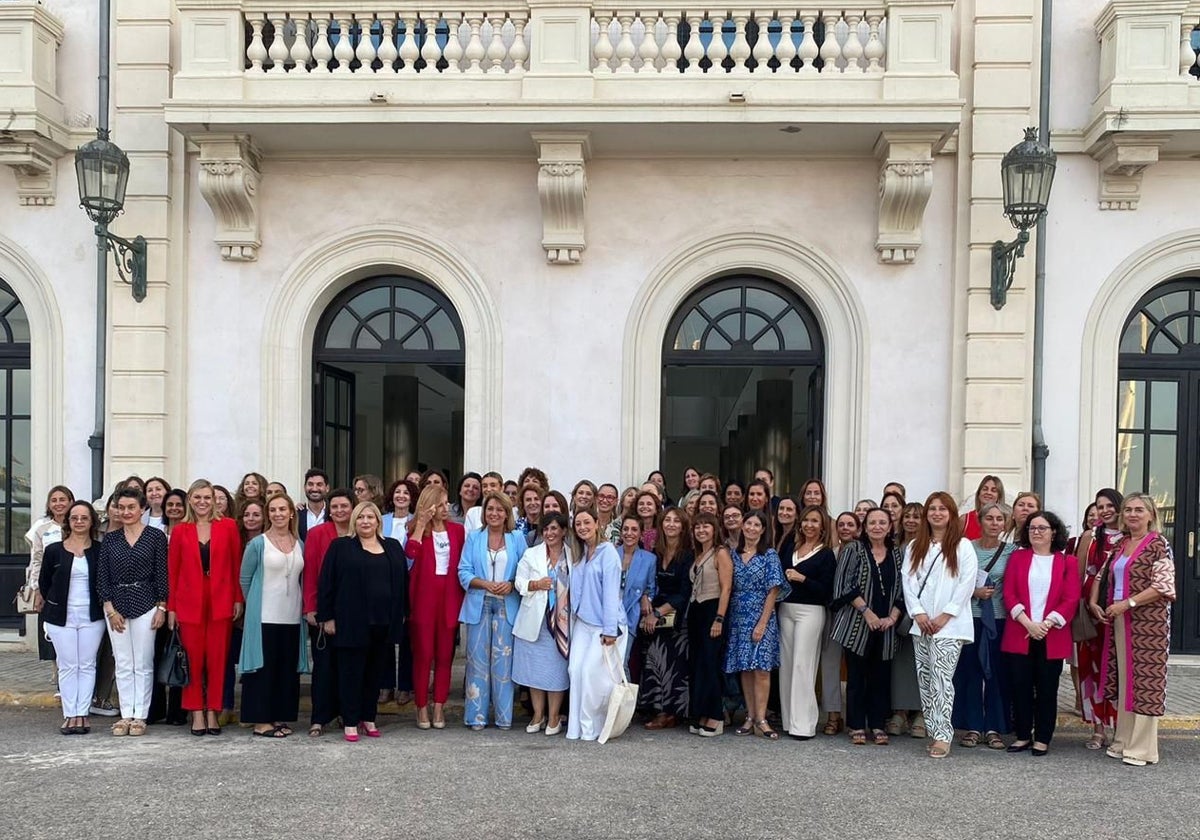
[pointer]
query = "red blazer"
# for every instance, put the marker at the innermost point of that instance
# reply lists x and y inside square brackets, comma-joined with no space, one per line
[316,544]
[424,609]
[1063,599]
[185,576]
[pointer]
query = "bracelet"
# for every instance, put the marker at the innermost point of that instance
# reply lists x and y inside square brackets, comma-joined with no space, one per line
[719,619]
[160,608]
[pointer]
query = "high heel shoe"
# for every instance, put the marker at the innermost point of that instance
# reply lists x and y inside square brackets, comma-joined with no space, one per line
[439,716]
[423,724]
[1019,747]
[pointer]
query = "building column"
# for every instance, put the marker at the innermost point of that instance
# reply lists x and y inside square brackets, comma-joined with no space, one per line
[401,406]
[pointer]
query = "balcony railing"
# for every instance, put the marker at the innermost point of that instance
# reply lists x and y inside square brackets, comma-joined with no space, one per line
[623,41]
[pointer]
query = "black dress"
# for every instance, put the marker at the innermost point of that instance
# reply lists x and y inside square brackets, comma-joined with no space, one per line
[664,680]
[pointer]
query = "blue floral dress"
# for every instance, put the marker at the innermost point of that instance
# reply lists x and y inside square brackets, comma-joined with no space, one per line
[751,582]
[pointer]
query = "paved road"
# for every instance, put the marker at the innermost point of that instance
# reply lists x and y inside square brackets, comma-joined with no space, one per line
[456,784]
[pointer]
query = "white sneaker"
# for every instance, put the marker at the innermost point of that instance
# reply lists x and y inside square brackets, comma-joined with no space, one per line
[104,709]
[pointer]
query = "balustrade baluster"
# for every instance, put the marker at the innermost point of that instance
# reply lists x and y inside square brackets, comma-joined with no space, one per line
[453,52]
[831,50]
[409,52]
[786,50]
[739,51]
[475,52]
[278,51]
[342,51]
[519,51]
[300,51]
[808,50]
[1187,55]
[716,47]
[625,48]
[430,51]
[762,47]
[496,51]
[693,51]
[671,50]
[387,46]
[648,50]
[874,48]
[256,52]
[365,51]
[603,50]
[853,50]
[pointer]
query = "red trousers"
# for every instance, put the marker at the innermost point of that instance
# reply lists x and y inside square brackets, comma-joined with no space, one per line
[207,646]
[433,647]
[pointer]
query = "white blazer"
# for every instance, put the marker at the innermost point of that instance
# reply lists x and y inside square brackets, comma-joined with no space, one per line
[943,593]
[532,613]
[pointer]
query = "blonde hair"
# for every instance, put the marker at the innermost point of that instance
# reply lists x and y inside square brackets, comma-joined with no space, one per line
[293,525]
[359,509]
[189,514]
[1150,505]
[505,503]
[432,494]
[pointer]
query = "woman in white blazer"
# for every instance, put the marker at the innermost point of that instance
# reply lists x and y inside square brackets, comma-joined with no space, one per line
[939,578]
[541,633]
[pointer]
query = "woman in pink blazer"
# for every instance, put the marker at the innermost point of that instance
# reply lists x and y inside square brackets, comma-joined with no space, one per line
[1041,591]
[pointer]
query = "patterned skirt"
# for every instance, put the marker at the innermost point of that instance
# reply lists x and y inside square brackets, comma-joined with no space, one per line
[664,685]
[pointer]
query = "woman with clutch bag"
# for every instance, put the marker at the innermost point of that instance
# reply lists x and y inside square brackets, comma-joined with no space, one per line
[753,644]
[74,613]
[1041,591]
[599,623]
[663,692]
[542,630]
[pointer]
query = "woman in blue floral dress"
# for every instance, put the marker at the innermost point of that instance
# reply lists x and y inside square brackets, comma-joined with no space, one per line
[753,649]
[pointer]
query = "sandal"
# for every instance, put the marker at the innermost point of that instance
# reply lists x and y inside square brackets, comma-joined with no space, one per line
[764,729]
[881,737]
[994,741]
[969,739]
[1097,742]
[745,729]
[858,737]
[940,749]
[67,728]
[896,724]
[269,733]
[316,730]
[285,729]
[121,727]
[138,727]
[917,730]
[833,725]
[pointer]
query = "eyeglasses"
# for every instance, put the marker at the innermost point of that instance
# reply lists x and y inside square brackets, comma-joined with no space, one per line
[732,516]
[1040,528]
[609,497]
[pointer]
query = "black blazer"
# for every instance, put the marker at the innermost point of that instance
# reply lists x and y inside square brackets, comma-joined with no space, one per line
[302,518]
[54,583]
[343,589]
[818,571]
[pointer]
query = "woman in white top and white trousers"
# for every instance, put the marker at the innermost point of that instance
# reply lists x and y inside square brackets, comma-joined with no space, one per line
[939,578]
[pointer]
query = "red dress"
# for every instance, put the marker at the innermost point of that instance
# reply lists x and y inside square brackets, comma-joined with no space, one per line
[971,527]
[1096,709]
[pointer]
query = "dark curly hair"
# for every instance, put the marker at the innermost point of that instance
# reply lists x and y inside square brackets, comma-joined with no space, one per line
[1058,539]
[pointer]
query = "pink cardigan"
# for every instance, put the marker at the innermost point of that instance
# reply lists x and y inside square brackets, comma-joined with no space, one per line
[1063,599]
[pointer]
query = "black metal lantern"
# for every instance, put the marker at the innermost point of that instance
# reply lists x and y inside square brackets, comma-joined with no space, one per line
[102,172]
[1027,174]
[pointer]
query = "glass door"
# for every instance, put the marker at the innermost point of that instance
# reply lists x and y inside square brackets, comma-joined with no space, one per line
[333,442]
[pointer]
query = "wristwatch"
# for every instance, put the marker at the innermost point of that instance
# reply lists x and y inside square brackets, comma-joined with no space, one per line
[1132,603]
[863,608]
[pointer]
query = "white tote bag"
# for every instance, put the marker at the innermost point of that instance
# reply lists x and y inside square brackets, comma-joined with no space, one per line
[622,700]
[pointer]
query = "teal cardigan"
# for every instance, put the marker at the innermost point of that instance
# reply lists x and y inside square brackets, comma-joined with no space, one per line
[252,585]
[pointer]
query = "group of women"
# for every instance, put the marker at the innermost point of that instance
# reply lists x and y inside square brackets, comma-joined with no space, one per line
[728,596]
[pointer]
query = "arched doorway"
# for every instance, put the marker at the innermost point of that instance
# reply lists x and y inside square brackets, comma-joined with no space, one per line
[743,383]
[389,362]
[1158,445]
[16,495]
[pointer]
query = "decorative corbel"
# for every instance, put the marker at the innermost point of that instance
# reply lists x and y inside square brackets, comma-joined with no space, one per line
[229,176]
[34,161]
[1123,160]
[562,189]
[905,184]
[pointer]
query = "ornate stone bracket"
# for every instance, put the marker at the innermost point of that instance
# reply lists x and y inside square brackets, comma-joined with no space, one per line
[562,189]
[34,160]
[905,184]
[1123,160]
[229,177]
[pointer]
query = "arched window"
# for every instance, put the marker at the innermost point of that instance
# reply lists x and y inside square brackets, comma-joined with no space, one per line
[389,362]
[1158,418]
[743,363]
[15,483]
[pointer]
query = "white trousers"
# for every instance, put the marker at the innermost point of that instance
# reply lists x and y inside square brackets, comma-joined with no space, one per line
[936,660]
[591,680]
[133,653]
[801,632]
[75,646]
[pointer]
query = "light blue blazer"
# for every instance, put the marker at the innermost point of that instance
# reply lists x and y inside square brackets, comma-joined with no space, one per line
[474,564]
[640,580]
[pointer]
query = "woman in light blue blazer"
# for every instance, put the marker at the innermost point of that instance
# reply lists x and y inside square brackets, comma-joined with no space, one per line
[486,571]
[638,586]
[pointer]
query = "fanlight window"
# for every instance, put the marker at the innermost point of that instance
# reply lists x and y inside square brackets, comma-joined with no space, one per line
[744,316]
[1167,323]
[389,317]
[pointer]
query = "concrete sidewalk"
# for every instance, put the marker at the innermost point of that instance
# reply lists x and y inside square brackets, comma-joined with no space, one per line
[26,681]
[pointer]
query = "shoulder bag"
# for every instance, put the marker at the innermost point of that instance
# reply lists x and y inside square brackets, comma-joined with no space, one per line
[25,597]
[906,621]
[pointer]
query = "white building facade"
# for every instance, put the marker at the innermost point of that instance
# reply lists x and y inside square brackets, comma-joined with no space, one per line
[604,240]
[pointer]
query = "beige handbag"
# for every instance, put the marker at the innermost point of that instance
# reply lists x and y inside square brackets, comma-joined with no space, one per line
[25,597]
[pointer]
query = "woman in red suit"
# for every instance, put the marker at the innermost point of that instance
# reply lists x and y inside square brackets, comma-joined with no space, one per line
[1041,592]
[435,597]
[204,599]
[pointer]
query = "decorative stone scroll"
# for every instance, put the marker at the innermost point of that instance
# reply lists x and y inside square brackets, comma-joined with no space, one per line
[905,184]
[229,177]
[562,189]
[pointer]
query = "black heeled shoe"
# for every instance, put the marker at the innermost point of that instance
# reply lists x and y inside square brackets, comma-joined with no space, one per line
[1038,752]
[1019,747]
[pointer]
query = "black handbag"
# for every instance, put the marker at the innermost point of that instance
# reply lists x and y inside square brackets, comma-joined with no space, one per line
[172,670]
